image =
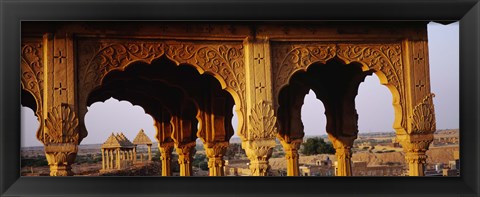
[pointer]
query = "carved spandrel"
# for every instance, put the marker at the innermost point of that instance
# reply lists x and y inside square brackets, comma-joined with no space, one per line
[289,58]
[32,78]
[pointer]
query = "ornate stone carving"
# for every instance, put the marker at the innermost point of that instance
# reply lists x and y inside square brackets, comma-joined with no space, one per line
[224,60]
[423,116]
[185,152]
[62,125]
[258,152]
[262,121]
[32,76]
[216,149]
[289,58]
[61,140]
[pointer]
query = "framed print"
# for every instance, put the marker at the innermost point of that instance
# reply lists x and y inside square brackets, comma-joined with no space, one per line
[212,98]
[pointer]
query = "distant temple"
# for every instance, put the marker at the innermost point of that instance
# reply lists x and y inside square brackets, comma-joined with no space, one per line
[142,139]
[119,149]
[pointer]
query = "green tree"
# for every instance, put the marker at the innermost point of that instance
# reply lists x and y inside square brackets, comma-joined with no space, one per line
[317,146]
[234,149]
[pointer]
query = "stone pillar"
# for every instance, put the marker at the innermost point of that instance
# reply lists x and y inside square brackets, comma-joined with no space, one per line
[415,148]
[417,123]
[185,156]
[118,159]
[166,157]
[111,159]
[343,153]
[149,146]
[134,154]
[215,153]
[62,127]
[258,139]
[291,154]
[103,159]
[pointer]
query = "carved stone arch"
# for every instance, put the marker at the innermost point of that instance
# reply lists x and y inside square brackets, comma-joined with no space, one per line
[222,59]
[385,60]
[292,57]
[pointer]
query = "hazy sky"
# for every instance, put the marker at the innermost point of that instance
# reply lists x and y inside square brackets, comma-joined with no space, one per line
[373,103]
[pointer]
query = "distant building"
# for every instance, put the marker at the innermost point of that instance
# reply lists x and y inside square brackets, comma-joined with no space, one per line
[320,168]
[360,168]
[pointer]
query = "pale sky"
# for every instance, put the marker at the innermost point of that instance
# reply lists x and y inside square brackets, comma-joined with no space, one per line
[373,103]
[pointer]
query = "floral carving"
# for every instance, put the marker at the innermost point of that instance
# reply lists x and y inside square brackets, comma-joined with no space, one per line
[386,58]
[289,58]
[32,76]
[423,117]
[262,121]
[224,60]
[62,126]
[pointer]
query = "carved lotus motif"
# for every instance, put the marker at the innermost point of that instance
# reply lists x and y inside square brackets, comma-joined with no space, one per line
[423,118]
[263,122]
[62,125]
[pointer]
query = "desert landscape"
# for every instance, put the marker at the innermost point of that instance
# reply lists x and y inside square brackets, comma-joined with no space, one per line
[375,149]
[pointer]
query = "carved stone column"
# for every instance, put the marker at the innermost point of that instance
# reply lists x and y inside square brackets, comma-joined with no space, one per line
[185,156]
[259,139]
[166,157]
[61,133]
[291,154]
[343,153]
[215,153]
[420,121]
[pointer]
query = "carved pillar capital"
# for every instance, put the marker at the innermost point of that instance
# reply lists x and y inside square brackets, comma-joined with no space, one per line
[259,151]
[60,157]
[215,153]
[343,151]
[185,152]
[415,148]
[185,156]
[291,148]
[61,139]
[165,150]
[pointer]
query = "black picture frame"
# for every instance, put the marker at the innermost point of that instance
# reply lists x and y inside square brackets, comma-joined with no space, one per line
[13,12]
